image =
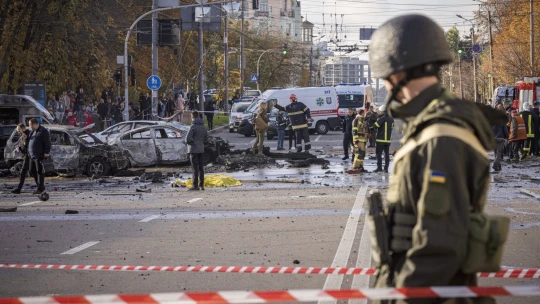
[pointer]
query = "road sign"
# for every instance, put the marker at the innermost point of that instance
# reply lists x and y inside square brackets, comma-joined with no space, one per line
[254,78]
[154,82]
[476,48]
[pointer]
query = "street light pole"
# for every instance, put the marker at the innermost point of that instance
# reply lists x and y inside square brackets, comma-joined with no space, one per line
[226,62]
[154,58]
[532,39]
[258,62]
[126,77]
[474,58]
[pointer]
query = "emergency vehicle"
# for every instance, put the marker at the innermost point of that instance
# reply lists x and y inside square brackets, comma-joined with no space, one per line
[526,90]
[353,96]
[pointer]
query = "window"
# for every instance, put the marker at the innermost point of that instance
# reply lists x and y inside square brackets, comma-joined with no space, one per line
[60,139]
[142,124]
[351,101]
[173,133]
[119,129]
[160,133]
[144,134]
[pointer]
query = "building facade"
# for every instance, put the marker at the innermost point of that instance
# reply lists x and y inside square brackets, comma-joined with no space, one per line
[280,17]
[346,69]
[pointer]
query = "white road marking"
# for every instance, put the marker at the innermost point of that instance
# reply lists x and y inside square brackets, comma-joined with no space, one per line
[364,260]
[31,203]
[318,137]
[337,147]
[193,200]
[80,248]
[344,249]
[148,219]
[253,141]
[525,191]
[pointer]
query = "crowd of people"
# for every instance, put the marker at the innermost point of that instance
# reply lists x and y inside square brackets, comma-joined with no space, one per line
[519,138]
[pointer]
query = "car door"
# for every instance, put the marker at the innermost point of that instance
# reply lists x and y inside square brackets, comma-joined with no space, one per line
[170,145]
[64,152]
[141,147]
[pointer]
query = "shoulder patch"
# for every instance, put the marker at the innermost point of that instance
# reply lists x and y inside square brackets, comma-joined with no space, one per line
[437,177]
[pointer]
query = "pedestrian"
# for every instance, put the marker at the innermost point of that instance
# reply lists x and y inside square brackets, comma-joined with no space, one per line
[209,112]
[384,126]
[195,139]
[81,102]
[360,140]
[87,119]
[440,179]
[24,137]
[347,128]
[531,124]
[260,123]
[299,115]
[146,106]
[518,136]
[59,109]
[72,120]
[50,102]
[281,125]
[39,147]
[371,119]
[292,134]
[116,113]
[171,106]
[501,136]
[180,103]
[98,124]
[91,107]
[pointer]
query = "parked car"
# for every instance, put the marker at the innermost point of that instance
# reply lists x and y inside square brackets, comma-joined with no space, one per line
[71,153]
[110,134]
[235,116]
[5,133]
[163,144]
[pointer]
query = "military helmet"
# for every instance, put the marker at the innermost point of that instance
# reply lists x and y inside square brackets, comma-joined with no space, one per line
[407,42]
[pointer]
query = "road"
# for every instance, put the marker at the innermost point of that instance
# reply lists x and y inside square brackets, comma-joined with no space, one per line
[319,223]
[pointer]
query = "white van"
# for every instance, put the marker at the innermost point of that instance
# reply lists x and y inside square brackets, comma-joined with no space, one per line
[321,101]
[353,96]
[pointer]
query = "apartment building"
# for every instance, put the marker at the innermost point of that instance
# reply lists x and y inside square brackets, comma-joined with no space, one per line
[347,69]
[281,17]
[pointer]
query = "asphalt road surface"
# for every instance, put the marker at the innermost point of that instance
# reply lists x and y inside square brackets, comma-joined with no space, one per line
[319,223]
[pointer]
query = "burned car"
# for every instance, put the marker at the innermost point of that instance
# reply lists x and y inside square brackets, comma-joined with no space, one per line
[163,144]
[71,153]
[111,133]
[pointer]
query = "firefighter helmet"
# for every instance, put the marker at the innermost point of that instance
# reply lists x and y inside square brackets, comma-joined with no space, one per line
[406,42]
[293,97]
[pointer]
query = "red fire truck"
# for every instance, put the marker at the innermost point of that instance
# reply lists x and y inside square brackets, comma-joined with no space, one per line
[526,90]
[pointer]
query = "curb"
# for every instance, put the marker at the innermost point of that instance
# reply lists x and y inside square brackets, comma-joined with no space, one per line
[218,129]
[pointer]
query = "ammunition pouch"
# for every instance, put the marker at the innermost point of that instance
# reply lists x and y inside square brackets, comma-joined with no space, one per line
[401,232]
[487,235]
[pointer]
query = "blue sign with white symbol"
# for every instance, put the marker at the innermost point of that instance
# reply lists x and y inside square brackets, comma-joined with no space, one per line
[476,48]
[154,82]
[254,77]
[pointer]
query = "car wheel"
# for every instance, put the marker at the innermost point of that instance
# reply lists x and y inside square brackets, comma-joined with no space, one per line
[98,167]
[322,127]
[231,130]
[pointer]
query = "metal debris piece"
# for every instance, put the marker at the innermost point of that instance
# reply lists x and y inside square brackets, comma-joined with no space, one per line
[9,209]
[72,212]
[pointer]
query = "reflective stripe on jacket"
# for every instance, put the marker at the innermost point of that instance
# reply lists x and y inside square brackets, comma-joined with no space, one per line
[384,126]
[529,125]
[298,114]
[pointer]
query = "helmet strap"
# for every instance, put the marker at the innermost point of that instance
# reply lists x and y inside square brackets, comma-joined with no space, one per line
[393,94]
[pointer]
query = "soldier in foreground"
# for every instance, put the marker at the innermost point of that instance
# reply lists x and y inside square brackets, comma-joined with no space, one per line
[440,179]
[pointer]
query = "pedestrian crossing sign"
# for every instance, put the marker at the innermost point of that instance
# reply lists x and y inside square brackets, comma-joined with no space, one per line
[254,77]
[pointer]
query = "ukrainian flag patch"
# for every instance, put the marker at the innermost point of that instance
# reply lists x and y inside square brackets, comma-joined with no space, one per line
[437,177]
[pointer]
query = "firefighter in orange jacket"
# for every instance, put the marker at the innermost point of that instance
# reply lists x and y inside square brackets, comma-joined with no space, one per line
[518,135]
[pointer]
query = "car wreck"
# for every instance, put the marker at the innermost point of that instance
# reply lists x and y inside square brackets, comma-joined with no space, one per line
[71,153]
[163,144]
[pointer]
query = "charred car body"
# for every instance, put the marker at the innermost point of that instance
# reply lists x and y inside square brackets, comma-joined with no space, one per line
[163,144]
[70,153]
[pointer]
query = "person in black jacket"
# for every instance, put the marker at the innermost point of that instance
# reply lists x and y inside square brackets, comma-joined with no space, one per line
[501,136]
[210,114]
[281,125]
[347,132]
[39,147]
[24,136]
[536,112]
[299,116]
[384,126]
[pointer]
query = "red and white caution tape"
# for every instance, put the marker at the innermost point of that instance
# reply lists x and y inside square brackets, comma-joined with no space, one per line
[531,273]
[291,295]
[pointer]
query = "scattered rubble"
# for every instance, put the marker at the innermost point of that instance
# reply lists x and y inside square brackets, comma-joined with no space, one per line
[237,162]
[72,212]
[9,209]
[154,177]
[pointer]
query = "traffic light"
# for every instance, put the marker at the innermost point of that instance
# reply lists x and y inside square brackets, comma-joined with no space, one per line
[284,51]
[118,76]
[132,74]
[460,51]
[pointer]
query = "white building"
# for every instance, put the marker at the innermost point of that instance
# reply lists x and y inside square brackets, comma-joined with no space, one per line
[350,68]
[276,16]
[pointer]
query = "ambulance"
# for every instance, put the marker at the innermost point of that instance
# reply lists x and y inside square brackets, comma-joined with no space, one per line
[353,96]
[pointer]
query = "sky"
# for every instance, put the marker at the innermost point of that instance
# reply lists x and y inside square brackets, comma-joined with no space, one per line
[354,14]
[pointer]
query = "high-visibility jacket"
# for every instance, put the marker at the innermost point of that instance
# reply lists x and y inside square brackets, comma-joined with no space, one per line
[298,114]
[517,130]
[358,130]
[530,125]
[384,126]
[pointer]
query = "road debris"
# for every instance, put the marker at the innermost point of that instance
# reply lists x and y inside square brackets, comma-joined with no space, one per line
[215,180]
[72,212]
[9,209]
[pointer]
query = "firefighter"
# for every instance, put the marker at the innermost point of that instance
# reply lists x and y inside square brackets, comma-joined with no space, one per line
[531,125]
[360,140]
[371,119]
[384,126]
[518,136]
[299,116]
[440,174]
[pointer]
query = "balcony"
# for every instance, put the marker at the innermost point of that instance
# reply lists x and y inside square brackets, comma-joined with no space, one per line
[291,14]
[261,13]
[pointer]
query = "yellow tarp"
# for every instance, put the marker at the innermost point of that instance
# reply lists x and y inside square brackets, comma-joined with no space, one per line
[215,180]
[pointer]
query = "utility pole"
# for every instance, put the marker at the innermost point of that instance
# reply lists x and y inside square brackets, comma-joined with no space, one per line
[201,58]
[310,67]
[474,65]
[460,79]
[154,57]
[226,61]
[532,39]
[491,80]
[242,52]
